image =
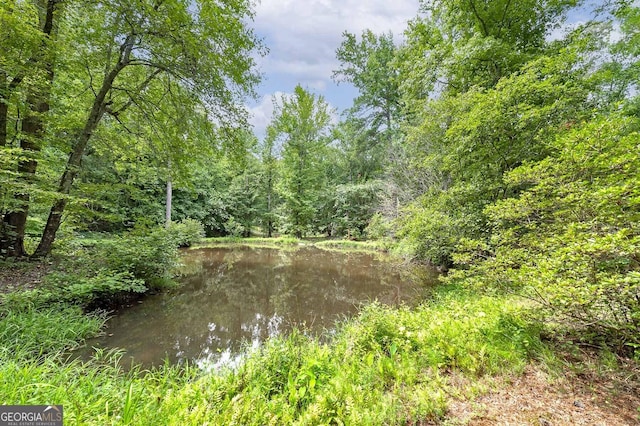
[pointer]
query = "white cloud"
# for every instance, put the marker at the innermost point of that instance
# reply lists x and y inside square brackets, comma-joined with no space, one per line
[261,113]
[304,35]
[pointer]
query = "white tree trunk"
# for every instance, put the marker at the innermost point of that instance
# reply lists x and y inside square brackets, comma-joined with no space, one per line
[169,196]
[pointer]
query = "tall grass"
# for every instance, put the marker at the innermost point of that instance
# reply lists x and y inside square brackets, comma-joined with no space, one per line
[28,332]
[387,366]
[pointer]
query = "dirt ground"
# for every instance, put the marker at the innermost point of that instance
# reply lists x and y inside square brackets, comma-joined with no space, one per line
[22,275]
[540,398]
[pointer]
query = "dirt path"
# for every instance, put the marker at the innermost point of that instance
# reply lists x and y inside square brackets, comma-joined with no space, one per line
[538,398]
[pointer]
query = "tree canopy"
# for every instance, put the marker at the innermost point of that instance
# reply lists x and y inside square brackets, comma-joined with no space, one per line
[150,69]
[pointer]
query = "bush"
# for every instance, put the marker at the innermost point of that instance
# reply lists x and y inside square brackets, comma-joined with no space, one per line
[353,206]
[100,271]
[571,242]
[378,227]
[149,256]
[186,232]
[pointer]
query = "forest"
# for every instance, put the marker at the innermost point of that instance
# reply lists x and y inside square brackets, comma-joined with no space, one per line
[492,141]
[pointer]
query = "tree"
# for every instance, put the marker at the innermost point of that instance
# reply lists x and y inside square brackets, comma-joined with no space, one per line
[570,241]
[130,59]
[485,92]
[368,65]
[458,44]
[625,65]
[300,125]
[269,177]
[37,69]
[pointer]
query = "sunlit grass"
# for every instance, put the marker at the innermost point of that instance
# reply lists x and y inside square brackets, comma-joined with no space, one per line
[350,245]
[277,242]
[294,243]
[386,366]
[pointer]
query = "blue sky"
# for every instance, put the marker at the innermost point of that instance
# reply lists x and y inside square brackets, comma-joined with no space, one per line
[303,35]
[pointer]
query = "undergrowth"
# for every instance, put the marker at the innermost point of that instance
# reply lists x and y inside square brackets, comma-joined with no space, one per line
[102,271]
[386,366]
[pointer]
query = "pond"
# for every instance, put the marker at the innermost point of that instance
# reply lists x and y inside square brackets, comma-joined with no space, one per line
[234,297]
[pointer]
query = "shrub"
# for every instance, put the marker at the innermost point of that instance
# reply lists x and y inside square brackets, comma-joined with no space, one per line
[149,256]
[186,232]
[571,242]
[99,271]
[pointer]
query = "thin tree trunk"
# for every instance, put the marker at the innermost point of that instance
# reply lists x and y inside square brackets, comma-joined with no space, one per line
[75,158]
[4,112]
[168,206]
[269,221]
[4,108]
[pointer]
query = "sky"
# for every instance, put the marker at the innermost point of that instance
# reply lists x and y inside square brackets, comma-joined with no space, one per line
[302,37]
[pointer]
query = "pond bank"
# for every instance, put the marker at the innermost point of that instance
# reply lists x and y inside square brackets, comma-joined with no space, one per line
[462,358]
[294,243]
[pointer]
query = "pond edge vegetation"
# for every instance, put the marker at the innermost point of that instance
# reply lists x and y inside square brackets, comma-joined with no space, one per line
[385,366]
[480,144]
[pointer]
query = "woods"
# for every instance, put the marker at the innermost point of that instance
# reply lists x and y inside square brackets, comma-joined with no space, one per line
[494,140]
[132,69]
[99,115]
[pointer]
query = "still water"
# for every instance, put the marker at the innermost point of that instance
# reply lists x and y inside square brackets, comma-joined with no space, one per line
[235,297]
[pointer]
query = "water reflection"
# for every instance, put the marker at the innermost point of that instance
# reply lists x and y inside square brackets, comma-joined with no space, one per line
[239,296]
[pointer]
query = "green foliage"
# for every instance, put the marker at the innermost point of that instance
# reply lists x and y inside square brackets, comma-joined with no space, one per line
[74,288]
[378,227]
[104,271]
[376,111]
[145,81]
[186,232]
[348,208]
[148,256]
[571,241]
[429,233]
[466,143]
[301,124]
[387,366]
[472,43]
[28,333]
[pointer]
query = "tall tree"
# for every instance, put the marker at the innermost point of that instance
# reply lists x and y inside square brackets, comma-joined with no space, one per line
[368,65]
[39,69]
[484,90]
[136,56]
[301,126]
[458,44]
[269,176]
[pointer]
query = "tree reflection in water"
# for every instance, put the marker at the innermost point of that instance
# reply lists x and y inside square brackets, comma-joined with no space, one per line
[236,297]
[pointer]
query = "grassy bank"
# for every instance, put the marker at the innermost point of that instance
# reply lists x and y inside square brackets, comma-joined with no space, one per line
[277,242]
[293,243]
[385,366]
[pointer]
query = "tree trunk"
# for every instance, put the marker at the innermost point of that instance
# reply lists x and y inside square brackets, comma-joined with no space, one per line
[168,205]
[269,221]
[15,221]
[4,108]
[75,158]
[4,111]
[66,181]
[32,128]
